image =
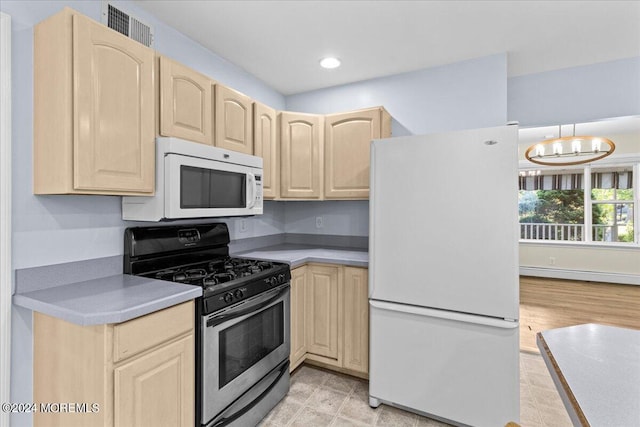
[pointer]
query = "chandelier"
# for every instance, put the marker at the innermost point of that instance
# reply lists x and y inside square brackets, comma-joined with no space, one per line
[569,150]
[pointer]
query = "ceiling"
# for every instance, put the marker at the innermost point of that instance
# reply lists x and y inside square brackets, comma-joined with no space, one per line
[608,128]
[281,42]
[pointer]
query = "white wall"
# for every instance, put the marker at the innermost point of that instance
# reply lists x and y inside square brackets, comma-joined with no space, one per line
[449,97]
[5,214]
[89,226]
[577,94]
[457,96]
[463,95]
[616,264]
[54,229]
[342,218]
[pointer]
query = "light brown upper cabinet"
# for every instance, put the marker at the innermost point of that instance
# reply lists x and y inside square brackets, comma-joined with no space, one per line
[185,102]
[300,156]
[265,145]
[346,158]
[93,109]
[233,120]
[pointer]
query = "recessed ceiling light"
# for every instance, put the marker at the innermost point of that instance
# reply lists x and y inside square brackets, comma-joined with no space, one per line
[330,62]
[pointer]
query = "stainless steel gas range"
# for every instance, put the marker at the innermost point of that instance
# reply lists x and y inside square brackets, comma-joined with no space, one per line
[242,319]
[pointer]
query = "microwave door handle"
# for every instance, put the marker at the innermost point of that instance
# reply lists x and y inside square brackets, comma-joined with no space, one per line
[254,189]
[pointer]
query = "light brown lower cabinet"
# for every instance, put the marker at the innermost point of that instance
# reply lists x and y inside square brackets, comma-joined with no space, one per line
[136,373]
[298,322]
[324,312]
[355,298]
[330,318]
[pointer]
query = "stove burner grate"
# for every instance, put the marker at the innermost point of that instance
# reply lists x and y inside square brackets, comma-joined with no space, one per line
[215,272]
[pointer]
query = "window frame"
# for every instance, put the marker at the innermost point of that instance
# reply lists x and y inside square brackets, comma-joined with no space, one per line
[627,160]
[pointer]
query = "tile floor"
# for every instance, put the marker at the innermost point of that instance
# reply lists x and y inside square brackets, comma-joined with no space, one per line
[320,398]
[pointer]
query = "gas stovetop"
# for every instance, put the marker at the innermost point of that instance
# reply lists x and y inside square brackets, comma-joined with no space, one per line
[216,272]
[227,280]
[199,255]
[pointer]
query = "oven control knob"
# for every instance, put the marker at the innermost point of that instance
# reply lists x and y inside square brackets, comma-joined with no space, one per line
[280,278]
[274,281]
[238,293]
[228,297]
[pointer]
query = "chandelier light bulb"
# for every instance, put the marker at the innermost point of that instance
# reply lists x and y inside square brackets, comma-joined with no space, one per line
[557,148]
[576,146]
[540,150]
[596,145]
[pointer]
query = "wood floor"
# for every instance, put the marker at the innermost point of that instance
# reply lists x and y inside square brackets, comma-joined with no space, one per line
[553,303]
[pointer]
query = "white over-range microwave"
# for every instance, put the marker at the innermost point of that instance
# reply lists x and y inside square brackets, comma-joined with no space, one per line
[198,181]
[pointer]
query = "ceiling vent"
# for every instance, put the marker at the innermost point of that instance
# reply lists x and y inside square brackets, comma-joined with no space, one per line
[126,24]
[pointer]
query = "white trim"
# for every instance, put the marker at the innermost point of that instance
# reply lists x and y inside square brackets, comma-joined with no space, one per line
[588,276]
[636,201]
[580,244]
[5,215]
[587,235]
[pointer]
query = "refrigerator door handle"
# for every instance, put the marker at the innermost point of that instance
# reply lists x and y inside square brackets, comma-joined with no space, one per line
[372,218]
[444,314]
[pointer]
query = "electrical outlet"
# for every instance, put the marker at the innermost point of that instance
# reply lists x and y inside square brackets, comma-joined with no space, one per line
[243,225]
[319,222]
[552,260]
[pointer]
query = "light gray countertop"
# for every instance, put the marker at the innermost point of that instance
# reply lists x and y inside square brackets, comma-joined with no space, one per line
[596,369]
[111,299]
[297,254]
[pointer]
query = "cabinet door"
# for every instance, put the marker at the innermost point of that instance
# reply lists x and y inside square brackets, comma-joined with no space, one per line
[157,389]
[356,319]
[185,102]
[265,145]
[346,162]
[322,310]
[233,120]
[298,322]
[300,155]
[113,110]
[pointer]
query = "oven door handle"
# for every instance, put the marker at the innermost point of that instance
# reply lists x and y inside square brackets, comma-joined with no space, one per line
[249,306]
[227,420]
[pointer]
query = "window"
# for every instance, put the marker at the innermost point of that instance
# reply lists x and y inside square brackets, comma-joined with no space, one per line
[612,205]
[590,204]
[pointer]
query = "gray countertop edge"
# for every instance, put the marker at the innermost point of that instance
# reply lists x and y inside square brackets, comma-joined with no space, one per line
[599,364]
[107,316]
[297,255]
[320,260]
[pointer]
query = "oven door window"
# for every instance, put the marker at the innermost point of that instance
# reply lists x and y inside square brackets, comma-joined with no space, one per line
[202,188]
[247,342]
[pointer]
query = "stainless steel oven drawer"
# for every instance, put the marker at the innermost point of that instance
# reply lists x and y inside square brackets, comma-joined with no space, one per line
[241,345]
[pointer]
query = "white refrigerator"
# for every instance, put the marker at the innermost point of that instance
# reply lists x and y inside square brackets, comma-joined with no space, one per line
[443,275]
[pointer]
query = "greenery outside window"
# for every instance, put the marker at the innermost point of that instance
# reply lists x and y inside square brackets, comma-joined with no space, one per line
[612,205]
[590,204]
